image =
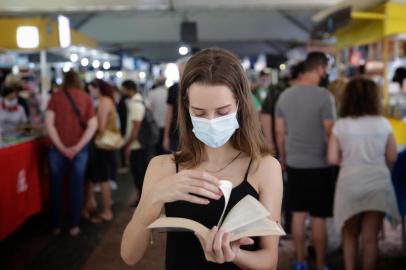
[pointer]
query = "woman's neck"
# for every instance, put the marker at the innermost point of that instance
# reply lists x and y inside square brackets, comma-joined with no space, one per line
[220,155]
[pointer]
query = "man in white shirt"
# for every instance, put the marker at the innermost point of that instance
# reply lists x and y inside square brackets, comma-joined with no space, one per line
[157,101]
[136,153]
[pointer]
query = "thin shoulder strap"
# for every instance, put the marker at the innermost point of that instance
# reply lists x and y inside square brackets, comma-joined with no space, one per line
[176,164]
[248,169]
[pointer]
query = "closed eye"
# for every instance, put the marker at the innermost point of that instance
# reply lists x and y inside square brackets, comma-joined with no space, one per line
[222,113]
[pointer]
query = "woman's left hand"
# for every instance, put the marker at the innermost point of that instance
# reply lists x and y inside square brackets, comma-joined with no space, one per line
[219,249]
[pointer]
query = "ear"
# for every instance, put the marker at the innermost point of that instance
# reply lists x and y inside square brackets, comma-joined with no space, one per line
[320,70]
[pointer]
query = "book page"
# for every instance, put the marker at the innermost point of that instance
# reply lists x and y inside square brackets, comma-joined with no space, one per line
[263,227]
[226,187]
[245,212]
[174,224]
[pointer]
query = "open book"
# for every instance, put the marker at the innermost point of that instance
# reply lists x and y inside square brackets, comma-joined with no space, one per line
[246,219]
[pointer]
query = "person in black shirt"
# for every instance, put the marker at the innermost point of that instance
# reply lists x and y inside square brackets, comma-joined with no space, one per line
[268,106]
[221,139]
[171,136]
[267,118]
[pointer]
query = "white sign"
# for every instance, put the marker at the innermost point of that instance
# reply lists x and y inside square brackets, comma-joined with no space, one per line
[22,185]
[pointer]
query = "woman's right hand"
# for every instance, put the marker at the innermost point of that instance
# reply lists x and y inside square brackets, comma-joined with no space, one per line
[184,186]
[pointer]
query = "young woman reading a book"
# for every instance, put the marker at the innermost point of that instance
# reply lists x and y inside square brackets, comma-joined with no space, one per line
[220,139]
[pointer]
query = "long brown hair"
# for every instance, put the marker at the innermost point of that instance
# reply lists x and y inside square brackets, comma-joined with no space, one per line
[361,97]
[218,67]
[106,90]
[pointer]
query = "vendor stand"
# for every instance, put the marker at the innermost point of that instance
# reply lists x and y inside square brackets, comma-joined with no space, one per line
[24,183]
[372,35]
[374,38]
[23,158]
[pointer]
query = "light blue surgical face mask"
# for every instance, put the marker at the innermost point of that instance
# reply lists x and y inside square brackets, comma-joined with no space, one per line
[215,132]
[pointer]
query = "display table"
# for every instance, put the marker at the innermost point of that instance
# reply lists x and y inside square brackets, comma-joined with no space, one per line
[22,180]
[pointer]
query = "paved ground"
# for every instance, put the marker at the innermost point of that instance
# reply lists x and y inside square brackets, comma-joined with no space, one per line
[32,247]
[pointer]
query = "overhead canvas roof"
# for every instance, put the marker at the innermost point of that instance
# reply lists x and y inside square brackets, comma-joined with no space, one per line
[99,5]
[151,28]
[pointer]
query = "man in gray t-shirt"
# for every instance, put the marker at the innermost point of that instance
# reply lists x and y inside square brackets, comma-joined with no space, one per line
[305,110]
[305,115]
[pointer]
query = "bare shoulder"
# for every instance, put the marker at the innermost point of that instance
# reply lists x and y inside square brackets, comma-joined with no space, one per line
[163,160]
[105,101]
[161,166]
[267,172]
[266,165]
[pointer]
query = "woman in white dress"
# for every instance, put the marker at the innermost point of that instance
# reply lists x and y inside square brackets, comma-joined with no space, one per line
[363,145]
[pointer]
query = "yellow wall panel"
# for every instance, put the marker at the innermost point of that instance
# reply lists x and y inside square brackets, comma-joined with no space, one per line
[8,30]
[358,33]
[399,130]
[48,34]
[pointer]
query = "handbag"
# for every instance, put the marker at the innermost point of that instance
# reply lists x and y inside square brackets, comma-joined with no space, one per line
[109,140]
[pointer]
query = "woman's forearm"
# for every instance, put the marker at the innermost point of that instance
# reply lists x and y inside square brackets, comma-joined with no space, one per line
[258,260]
[53,134]
[88,134]
[136,236]
[51,129]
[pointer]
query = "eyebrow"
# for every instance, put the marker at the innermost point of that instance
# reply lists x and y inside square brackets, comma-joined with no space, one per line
[219,108]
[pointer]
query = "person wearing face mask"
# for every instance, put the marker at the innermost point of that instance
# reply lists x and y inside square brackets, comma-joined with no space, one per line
[305,115]
[220,138]
[15,81]
[12,114]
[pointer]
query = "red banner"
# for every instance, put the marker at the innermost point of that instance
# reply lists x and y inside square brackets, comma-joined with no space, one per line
[20,188]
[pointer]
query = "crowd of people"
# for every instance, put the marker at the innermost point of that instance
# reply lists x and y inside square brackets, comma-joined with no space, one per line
[336,168]
[81,126]
[95,129]
[334,147]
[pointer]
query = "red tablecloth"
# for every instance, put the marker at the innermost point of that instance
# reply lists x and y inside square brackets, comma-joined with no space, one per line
[21,184]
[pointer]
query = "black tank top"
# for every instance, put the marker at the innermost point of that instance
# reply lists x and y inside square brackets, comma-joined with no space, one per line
[183,249]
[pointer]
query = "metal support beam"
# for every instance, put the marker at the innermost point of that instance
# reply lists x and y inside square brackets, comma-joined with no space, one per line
[84,21]
[45,82]
[294,21]
[276,47]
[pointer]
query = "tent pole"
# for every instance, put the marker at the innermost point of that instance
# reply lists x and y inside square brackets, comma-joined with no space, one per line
[44,78]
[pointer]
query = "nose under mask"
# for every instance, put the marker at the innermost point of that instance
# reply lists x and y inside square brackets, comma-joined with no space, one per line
[215,132]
